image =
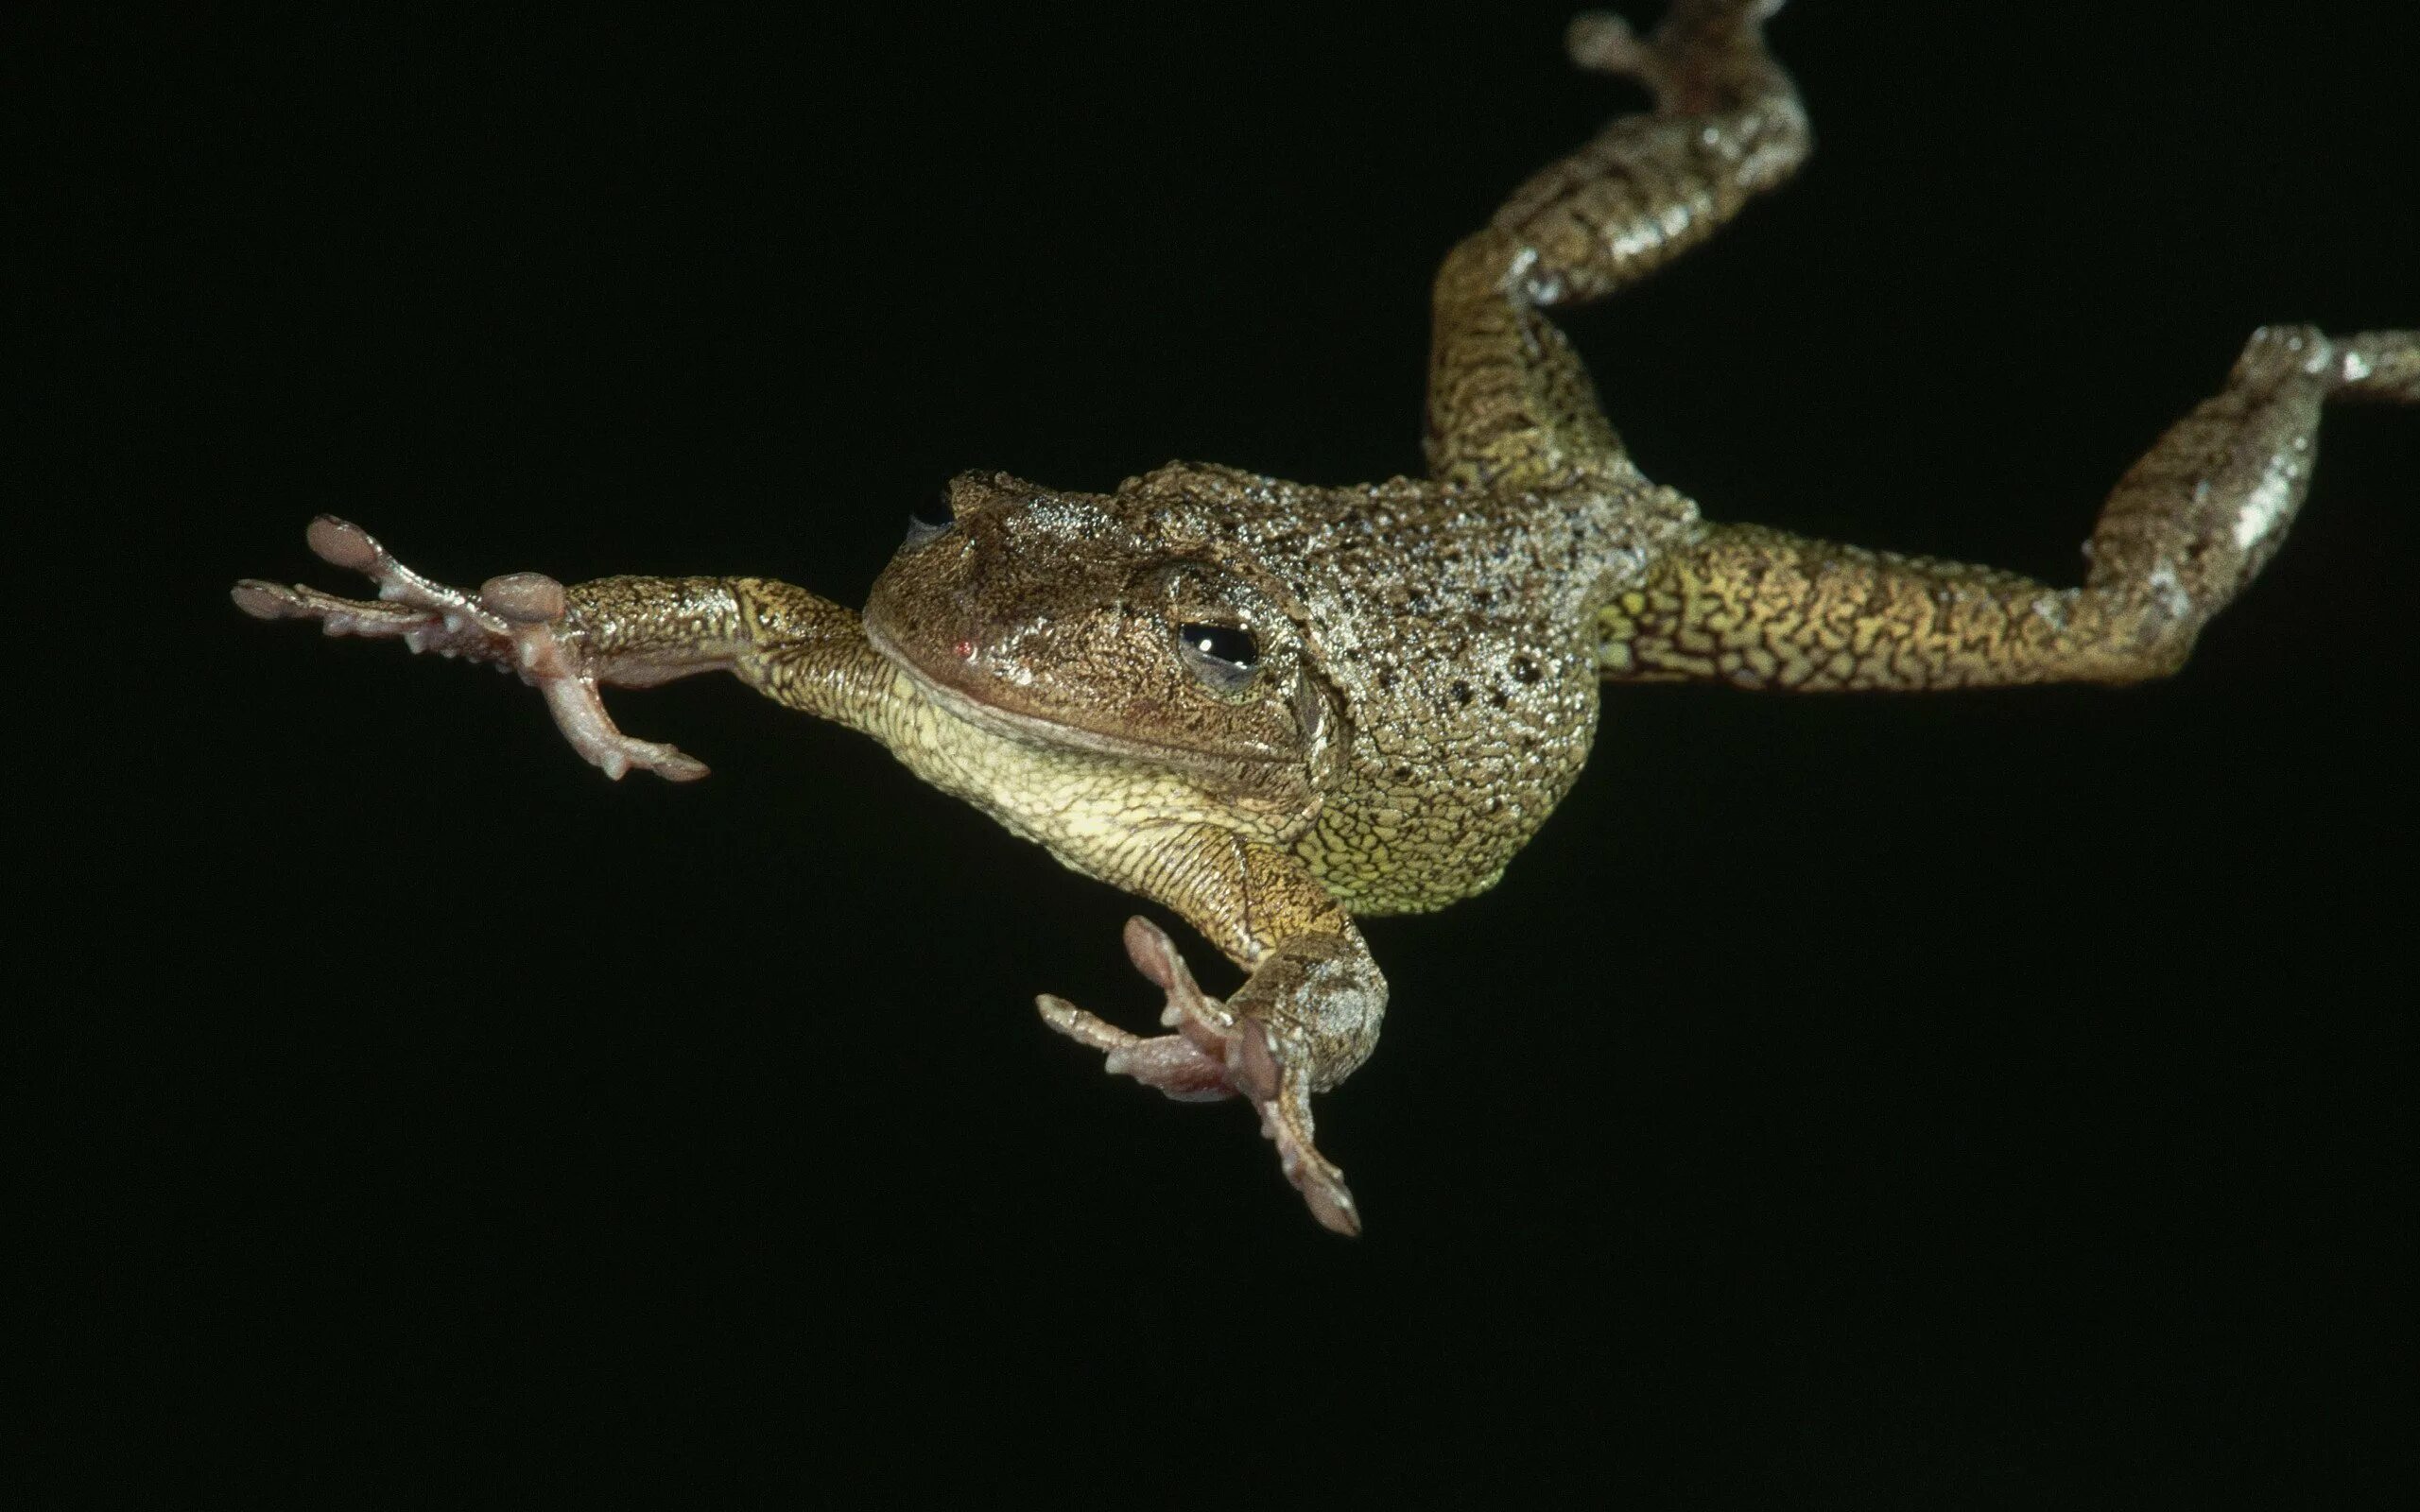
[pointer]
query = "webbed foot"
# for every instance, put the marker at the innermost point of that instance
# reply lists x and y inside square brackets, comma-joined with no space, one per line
[1215,1053]
[515,621]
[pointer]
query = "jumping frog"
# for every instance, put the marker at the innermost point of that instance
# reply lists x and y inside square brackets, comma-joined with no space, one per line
[1274,708]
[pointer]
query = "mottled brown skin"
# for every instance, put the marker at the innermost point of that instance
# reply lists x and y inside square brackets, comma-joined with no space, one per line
[1418,679]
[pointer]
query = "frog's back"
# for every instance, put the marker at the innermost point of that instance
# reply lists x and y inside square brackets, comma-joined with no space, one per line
[1456,629]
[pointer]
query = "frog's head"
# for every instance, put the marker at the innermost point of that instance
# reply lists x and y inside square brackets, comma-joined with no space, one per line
[1097,622]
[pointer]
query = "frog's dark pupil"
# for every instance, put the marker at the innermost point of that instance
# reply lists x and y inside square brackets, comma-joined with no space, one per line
[1230,643]
[937,515]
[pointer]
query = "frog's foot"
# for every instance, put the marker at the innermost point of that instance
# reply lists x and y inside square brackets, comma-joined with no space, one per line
[1215,1053]
[1696,38]
[514,622]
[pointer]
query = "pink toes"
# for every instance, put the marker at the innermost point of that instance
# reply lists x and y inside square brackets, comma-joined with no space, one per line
[1212,1056]
[514,621]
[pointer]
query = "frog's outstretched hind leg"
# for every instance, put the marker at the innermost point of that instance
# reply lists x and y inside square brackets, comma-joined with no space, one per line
[2183,533]
[1510,406]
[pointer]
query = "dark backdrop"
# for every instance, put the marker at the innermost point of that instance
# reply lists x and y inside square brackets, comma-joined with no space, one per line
[1938,1099]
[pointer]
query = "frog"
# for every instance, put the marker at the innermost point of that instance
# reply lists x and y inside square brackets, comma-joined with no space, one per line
[1273,708]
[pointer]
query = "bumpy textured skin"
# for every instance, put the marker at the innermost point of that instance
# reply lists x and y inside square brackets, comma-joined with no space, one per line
[1429,651]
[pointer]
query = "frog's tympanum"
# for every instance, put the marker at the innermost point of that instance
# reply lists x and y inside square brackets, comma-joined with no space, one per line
[1272,708]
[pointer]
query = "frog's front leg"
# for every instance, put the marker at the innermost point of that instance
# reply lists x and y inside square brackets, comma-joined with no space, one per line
[1304,1019]
[570,642]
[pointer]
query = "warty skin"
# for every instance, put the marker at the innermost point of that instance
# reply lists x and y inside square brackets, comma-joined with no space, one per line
[1272,708]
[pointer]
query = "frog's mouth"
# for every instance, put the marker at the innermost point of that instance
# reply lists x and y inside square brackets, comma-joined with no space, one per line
[966,694]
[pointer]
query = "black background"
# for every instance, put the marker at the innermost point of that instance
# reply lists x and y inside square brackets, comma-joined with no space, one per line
[1939,1100]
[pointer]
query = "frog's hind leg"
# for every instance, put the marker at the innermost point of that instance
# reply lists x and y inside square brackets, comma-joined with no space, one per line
[2190,525]
[2184,532]
[1510,406]
[1727,125]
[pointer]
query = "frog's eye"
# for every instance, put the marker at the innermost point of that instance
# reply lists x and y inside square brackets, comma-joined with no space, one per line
[1224,656]
[928,520]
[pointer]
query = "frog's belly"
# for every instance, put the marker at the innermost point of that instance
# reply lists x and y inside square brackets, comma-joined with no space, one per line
[1105,817]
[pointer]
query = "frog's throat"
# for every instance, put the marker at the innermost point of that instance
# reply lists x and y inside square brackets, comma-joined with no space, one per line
[962,701]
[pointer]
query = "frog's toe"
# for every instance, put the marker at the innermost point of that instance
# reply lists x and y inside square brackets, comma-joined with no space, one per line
[336,616]
[1190,1065]
[1170,1064]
